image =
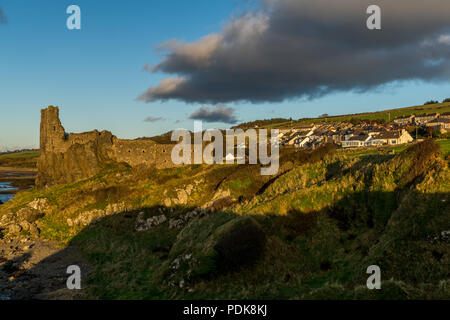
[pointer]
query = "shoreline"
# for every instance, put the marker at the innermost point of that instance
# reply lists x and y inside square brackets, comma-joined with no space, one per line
[17,179]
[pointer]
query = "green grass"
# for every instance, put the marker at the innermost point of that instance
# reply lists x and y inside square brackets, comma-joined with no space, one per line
[20,155]
[445,146]
[374,151]
[380,115]
[26,159]
[324,223]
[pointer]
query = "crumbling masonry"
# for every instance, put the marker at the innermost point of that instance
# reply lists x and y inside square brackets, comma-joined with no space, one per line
[70,157]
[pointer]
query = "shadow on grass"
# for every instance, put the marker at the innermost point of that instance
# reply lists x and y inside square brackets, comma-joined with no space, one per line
[219,251]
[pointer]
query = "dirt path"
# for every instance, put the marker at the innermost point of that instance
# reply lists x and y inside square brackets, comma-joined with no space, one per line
[36,269]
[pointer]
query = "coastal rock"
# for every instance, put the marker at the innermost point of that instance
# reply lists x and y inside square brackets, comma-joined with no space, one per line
[88,217]
[40,204]
[182,196]
[29,214]
[14,228]
[115,208]
[185,218]
[25,225]
[34,230]
[147,224]
[221,200]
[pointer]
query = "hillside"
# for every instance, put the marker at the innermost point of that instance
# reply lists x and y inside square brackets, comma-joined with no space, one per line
[384,115]
[226,232]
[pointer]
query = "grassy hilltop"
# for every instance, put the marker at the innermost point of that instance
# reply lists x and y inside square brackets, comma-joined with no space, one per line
[384,115]
[26,159]
[226,232]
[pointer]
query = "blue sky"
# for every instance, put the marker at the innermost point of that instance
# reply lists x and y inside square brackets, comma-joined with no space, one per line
[95,74]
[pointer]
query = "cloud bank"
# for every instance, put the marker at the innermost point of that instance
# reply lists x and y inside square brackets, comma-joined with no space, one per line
[214,114]
[305,49]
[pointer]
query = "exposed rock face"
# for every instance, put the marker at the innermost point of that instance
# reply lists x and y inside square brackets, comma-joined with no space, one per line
[26,219]
[67,158]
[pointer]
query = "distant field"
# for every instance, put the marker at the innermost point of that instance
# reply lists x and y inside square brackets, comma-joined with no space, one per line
[445,145]
[380,115]
[20,155]
[27,159]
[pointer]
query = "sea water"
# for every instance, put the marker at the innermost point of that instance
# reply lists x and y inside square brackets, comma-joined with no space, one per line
[6,186]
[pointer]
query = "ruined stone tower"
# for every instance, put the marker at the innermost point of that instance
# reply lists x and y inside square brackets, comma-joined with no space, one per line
[52,132]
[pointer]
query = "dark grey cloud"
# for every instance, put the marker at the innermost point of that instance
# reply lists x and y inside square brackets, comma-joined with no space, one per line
[153,119]
[214,114]
[301,48]
[3,18]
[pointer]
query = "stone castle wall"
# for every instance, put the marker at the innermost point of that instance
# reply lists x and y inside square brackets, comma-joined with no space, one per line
[67,158]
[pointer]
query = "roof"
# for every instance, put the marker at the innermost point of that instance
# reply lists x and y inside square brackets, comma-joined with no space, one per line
[359,138]
[440,120]
[427,115]
[304,126]
[404,118]
[388,135]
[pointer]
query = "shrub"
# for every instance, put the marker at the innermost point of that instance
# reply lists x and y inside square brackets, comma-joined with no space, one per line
[241,245]
[301,156]
[297,223]
[446,100]
[421,154]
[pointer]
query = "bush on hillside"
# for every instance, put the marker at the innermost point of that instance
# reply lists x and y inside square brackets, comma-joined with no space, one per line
[421,154]
[301,156]
[243,244]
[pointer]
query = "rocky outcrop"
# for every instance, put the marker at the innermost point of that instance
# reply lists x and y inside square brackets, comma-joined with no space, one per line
[88,217]
[25,219]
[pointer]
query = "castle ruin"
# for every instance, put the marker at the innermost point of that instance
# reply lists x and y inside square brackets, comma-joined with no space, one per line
[70,157]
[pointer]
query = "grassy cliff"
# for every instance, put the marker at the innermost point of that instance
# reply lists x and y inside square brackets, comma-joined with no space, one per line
[226,232]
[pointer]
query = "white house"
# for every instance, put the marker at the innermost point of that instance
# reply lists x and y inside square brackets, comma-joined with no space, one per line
[392,137]
[357,141]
